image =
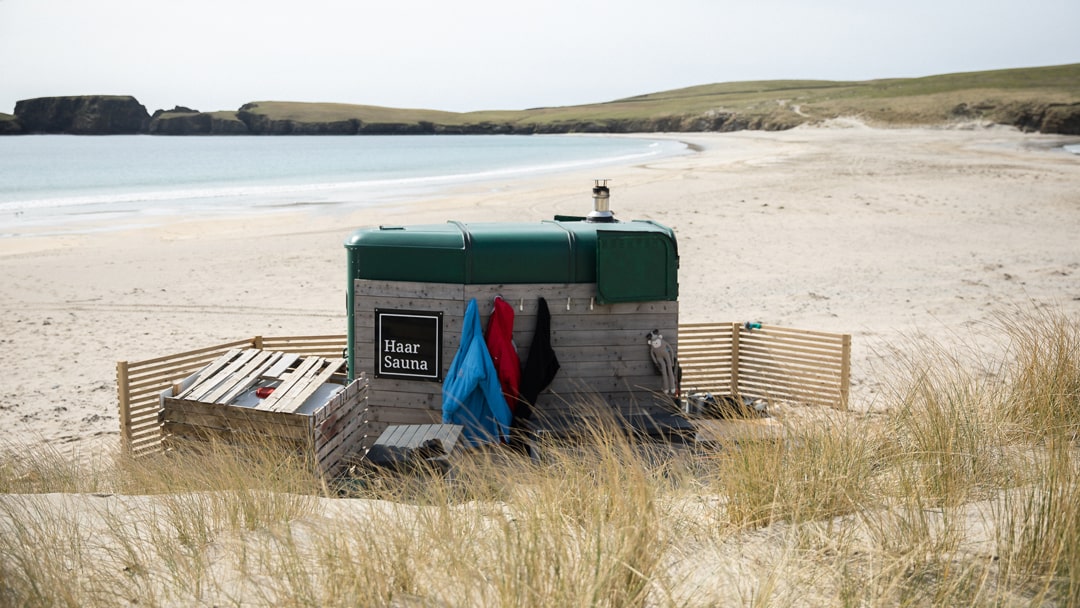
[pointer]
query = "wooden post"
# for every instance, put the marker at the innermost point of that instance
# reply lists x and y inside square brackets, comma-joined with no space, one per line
[123,395]
[257,342]
[735,359]
[845,371]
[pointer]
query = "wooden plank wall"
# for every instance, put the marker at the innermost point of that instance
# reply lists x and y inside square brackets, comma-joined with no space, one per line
[771,362]
[139,384]
[602,350]
[339,426]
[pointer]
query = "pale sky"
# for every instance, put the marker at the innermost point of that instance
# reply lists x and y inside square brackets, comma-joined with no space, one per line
[499,54]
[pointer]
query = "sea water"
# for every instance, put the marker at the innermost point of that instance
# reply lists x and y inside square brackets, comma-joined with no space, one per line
[64,182]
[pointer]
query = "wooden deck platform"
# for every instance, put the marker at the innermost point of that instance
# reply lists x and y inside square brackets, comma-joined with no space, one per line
[403,446]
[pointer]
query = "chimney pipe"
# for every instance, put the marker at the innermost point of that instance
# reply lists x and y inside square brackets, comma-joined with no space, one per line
[601,194]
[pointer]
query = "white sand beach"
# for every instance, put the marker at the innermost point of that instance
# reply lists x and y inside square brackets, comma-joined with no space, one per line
[879,233]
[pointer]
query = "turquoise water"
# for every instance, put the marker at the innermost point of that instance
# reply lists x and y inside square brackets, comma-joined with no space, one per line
[60,181]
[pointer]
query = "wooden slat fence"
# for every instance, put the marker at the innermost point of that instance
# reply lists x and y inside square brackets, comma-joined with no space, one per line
[139,384]
[768,362]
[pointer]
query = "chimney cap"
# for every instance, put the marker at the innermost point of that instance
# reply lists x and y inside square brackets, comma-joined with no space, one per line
[601,194]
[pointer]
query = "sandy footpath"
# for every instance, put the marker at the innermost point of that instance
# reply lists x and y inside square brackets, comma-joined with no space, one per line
[879,233]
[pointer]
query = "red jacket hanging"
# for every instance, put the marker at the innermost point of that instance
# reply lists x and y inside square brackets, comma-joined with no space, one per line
[500,343]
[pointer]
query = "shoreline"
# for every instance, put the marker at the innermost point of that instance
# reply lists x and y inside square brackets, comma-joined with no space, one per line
[148,204]
[884,234]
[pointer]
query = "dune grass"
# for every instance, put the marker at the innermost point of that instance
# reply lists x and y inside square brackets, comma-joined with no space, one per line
[964,491]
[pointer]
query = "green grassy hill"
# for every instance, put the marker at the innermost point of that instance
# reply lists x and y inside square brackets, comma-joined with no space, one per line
[1027,98]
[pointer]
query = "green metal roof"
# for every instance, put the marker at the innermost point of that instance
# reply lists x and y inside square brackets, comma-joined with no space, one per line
[629,261]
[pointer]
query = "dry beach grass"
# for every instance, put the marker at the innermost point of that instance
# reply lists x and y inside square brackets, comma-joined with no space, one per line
[966,492]
[949,254]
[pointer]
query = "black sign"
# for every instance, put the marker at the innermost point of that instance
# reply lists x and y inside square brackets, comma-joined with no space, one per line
[408,344]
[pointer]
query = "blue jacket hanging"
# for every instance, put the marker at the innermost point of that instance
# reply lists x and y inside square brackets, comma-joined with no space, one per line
[472,395]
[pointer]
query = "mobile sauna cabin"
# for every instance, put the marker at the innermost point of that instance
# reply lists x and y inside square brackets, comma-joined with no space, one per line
[606,283]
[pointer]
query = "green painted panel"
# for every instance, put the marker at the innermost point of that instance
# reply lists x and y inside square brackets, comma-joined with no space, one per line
[635,267]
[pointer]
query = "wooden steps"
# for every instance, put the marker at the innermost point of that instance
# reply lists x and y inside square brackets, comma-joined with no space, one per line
[403,447]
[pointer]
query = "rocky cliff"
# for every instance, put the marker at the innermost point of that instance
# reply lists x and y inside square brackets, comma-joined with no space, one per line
[9,125]
[82,115]
[185,121]
[1060,118]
